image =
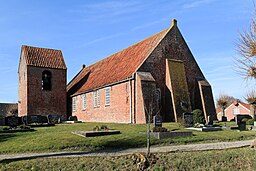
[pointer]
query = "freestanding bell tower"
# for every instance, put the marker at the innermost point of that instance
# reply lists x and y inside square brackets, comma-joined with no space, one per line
[42,82]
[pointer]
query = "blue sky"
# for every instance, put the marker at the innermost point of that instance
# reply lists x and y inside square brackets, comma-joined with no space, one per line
[89,30]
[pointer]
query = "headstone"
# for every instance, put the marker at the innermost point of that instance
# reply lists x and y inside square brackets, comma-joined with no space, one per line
[44,119]
[240,117]
[72,118]
[157,120]
[32,119]
[188,119]
[13,121]
[53,119]
[224,119]
[210,120]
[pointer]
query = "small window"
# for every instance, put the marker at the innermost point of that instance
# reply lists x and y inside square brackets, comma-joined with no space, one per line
[46,80]
[96,98]
[236,110]
[73,104]
[107,96]
[84,101]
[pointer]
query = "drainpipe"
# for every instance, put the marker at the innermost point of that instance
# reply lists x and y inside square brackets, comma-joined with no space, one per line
[132,78]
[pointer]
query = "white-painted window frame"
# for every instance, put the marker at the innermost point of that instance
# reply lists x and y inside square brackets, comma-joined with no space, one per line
[107,96]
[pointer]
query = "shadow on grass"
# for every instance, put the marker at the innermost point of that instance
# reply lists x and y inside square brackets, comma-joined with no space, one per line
[6,136]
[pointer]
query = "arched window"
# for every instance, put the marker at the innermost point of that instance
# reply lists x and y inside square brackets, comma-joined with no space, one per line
[46,80]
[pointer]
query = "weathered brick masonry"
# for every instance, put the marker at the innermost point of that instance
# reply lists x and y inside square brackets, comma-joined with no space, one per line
[33,99]
[158,75]
[145,64]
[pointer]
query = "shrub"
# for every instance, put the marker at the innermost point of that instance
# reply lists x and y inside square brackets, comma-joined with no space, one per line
[104,127]
[72,118]
[24,127]
[159,129]
[244,120]
[250,122]
[198,116]
[100,128]
[181,123]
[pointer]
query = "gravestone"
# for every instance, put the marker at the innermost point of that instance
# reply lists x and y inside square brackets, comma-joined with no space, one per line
[240,123]
[188,119]
[240,117]
[157,120]
[210,120]
[53,119]
[13,121]
[224,119]
[34,119]
[44,119]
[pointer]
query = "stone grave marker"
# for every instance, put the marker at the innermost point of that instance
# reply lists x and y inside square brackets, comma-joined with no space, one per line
[157,120]
[31,119]
[13,121]
[53,119]
[188,119]
[44,119]
[210,120]
[239,118]
[240,123]
[224,119]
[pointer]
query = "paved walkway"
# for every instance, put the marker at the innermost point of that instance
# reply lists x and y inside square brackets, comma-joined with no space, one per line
[116,152]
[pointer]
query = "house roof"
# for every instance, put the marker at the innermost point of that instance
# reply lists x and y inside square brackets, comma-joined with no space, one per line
[245,105]
[43,57]
[118,66]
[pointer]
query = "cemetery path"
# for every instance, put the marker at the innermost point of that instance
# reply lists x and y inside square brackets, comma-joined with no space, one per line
[119,152]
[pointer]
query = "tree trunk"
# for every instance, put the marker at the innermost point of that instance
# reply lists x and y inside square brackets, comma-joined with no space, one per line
[252,111]
[148,137]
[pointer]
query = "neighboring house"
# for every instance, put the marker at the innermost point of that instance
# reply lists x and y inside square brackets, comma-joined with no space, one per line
[237,107]
[158,74]
[42,82]
[7,109]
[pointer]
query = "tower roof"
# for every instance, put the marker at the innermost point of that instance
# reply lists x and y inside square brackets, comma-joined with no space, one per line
[43,57]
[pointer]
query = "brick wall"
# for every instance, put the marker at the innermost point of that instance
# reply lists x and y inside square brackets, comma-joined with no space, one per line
[173,46]
[22,88]
[35,101]
[117,112]
[5,109]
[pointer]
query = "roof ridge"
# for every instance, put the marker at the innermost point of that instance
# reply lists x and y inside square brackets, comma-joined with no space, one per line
[46,48]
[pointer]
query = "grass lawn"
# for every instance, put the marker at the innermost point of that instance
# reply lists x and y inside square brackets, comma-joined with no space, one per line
[60,138]
[231,159]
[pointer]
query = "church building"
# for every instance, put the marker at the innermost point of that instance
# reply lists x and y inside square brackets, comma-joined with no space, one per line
[157,76]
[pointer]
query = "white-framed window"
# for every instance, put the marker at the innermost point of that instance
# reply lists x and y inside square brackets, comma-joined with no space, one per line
[107,96]
[96,98]
[73,104]
[84,101]
[236,110]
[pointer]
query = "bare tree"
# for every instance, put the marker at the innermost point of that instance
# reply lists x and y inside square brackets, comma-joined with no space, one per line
[246,47]
[223,101]
[251,99]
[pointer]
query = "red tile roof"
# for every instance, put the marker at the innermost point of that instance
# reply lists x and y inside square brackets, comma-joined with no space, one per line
[43,57]
[118,66]
[245,105]
[218,110]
